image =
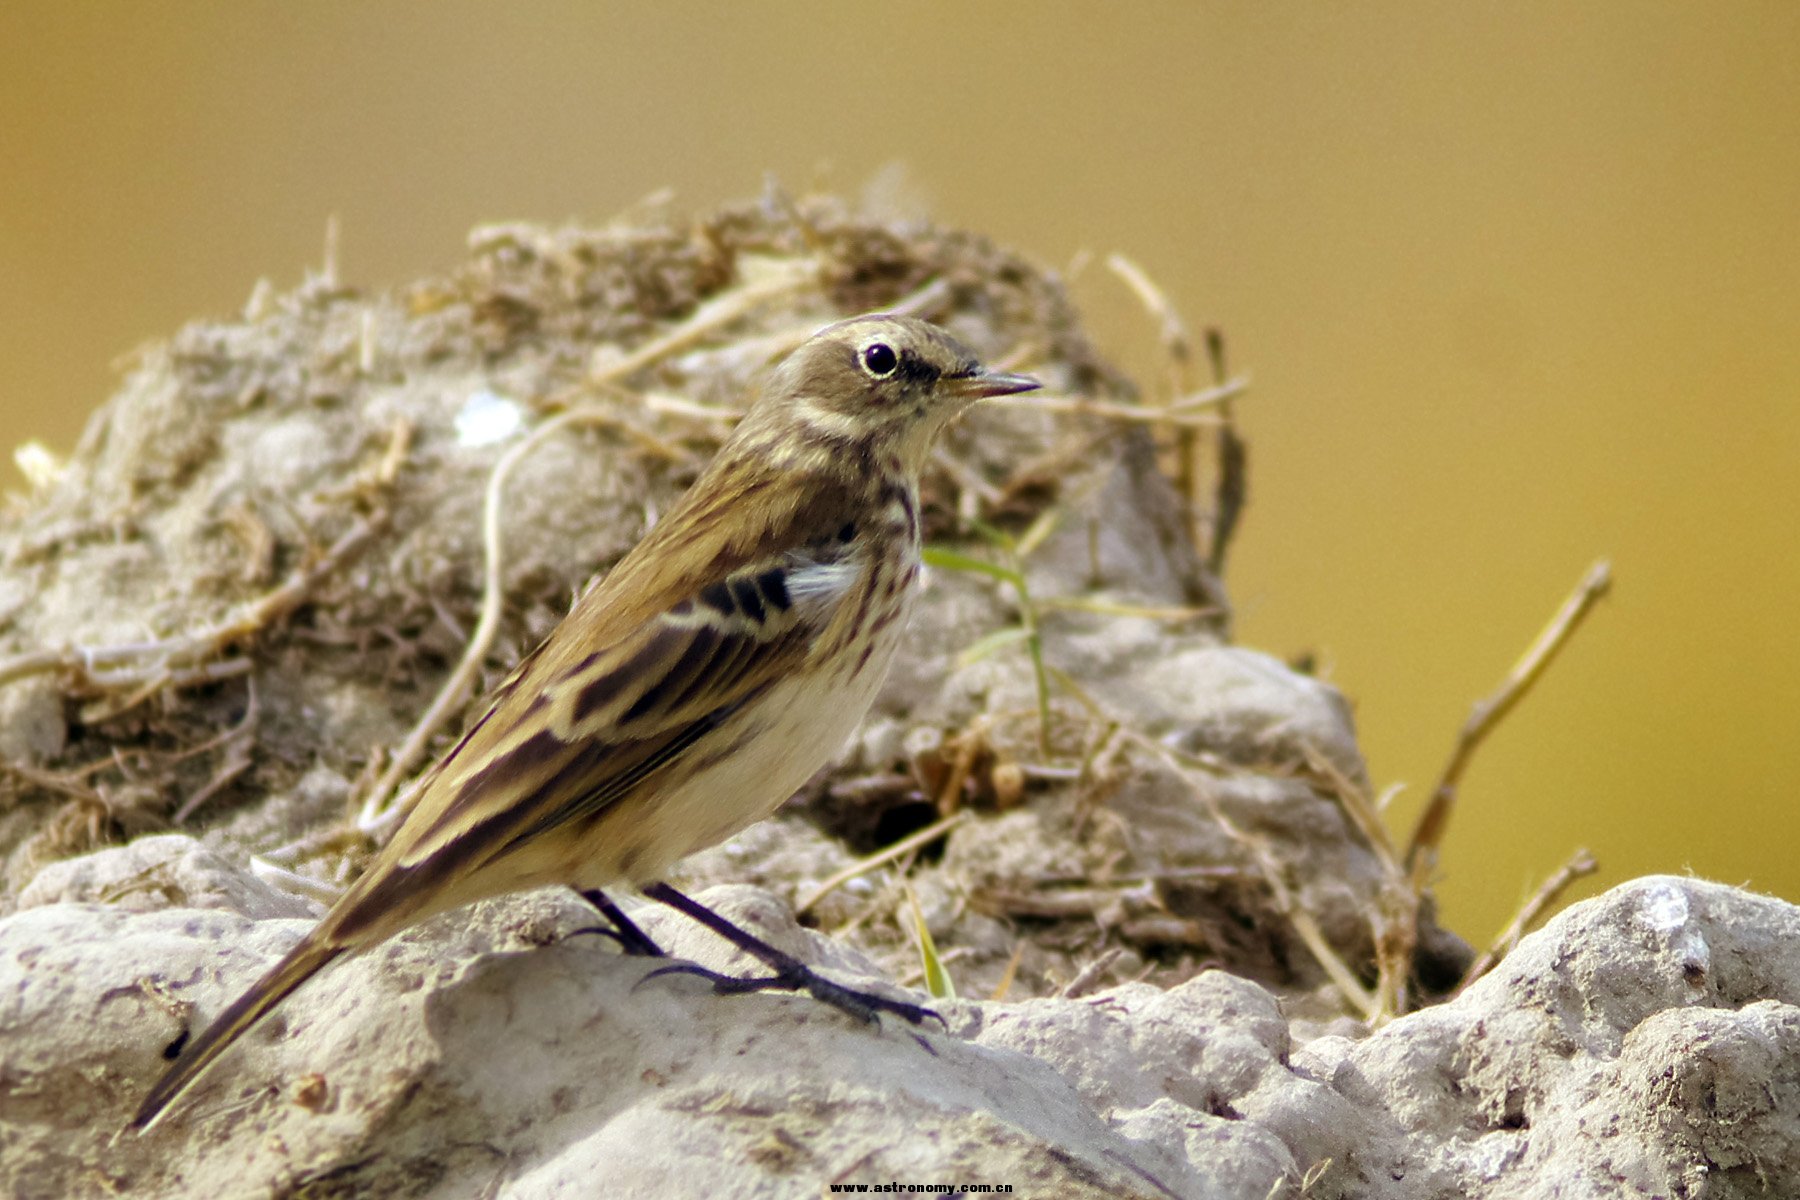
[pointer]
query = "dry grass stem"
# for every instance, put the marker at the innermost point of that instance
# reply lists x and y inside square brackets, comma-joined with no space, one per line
[975,491]
[1580,864]
[1089,975]
[1395,923]
[1421,854]
[235,764]
[236,740]
[145,684]
[752,352]
[779,278]
[1367,1003]
[1270,871]
[1178,345]
[1110,608]
[1362,811]
[1210,529]
[61,783]
[1011,972]
[1172,331]
[292,882]
[331,838]
[1186,412]
[1231,491]
[182,660]
[1046,898]
[880,858]
[681,406]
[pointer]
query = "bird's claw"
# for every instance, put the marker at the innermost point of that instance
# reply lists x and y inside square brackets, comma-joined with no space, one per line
[636,947]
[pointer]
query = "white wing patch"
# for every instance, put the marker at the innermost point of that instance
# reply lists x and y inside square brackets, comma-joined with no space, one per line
[816,585]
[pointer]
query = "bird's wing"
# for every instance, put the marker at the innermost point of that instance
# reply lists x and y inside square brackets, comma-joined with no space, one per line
[683,633]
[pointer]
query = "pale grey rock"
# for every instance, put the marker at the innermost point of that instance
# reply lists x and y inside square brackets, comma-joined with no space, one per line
[1644,1044]
[160,872]
[473,1053]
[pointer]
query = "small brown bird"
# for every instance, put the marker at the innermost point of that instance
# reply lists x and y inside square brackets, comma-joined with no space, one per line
[690,692]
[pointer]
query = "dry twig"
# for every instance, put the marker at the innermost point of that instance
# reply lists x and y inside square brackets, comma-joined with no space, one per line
[1395,923]
[706,319]
[1178,344]
[1010,973]
[1089,975]
[237,758]
[1210,531]
[1232,489]
[888,854]
[1428,834]
[192,657]
[1187,412]
[1270,870]
[1580,864]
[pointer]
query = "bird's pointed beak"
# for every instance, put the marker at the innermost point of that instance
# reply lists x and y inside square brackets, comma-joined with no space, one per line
[985,383]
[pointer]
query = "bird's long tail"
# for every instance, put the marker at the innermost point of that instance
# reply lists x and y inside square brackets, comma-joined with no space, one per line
[301,963]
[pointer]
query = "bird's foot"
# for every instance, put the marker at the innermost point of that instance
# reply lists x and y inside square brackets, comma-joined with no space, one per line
[790,974]
[796,976]
[620,928]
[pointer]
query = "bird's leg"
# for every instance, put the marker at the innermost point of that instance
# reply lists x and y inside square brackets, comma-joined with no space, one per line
[624,931]
[790,973]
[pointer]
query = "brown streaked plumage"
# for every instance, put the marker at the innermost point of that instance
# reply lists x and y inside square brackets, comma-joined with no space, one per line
[691,691]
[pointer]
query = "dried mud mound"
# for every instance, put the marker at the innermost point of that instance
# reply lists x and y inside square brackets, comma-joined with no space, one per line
[223,622]
[234,604]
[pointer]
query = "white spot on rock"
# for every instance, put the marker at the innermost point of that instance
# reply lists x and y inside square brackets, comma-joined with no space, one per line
[1665,909]
[486,418]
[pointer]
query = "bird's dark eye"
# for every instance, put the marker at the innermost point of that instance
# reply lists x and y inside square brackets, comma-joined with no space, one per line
[879,359]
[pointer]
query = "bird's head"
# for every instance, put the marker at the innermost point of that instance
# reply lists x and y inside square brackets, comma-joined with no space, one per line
[884,382]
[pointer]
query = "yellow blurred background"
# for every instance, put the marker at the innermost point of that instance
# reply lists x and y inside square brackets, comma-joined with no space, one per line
[1519,286]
